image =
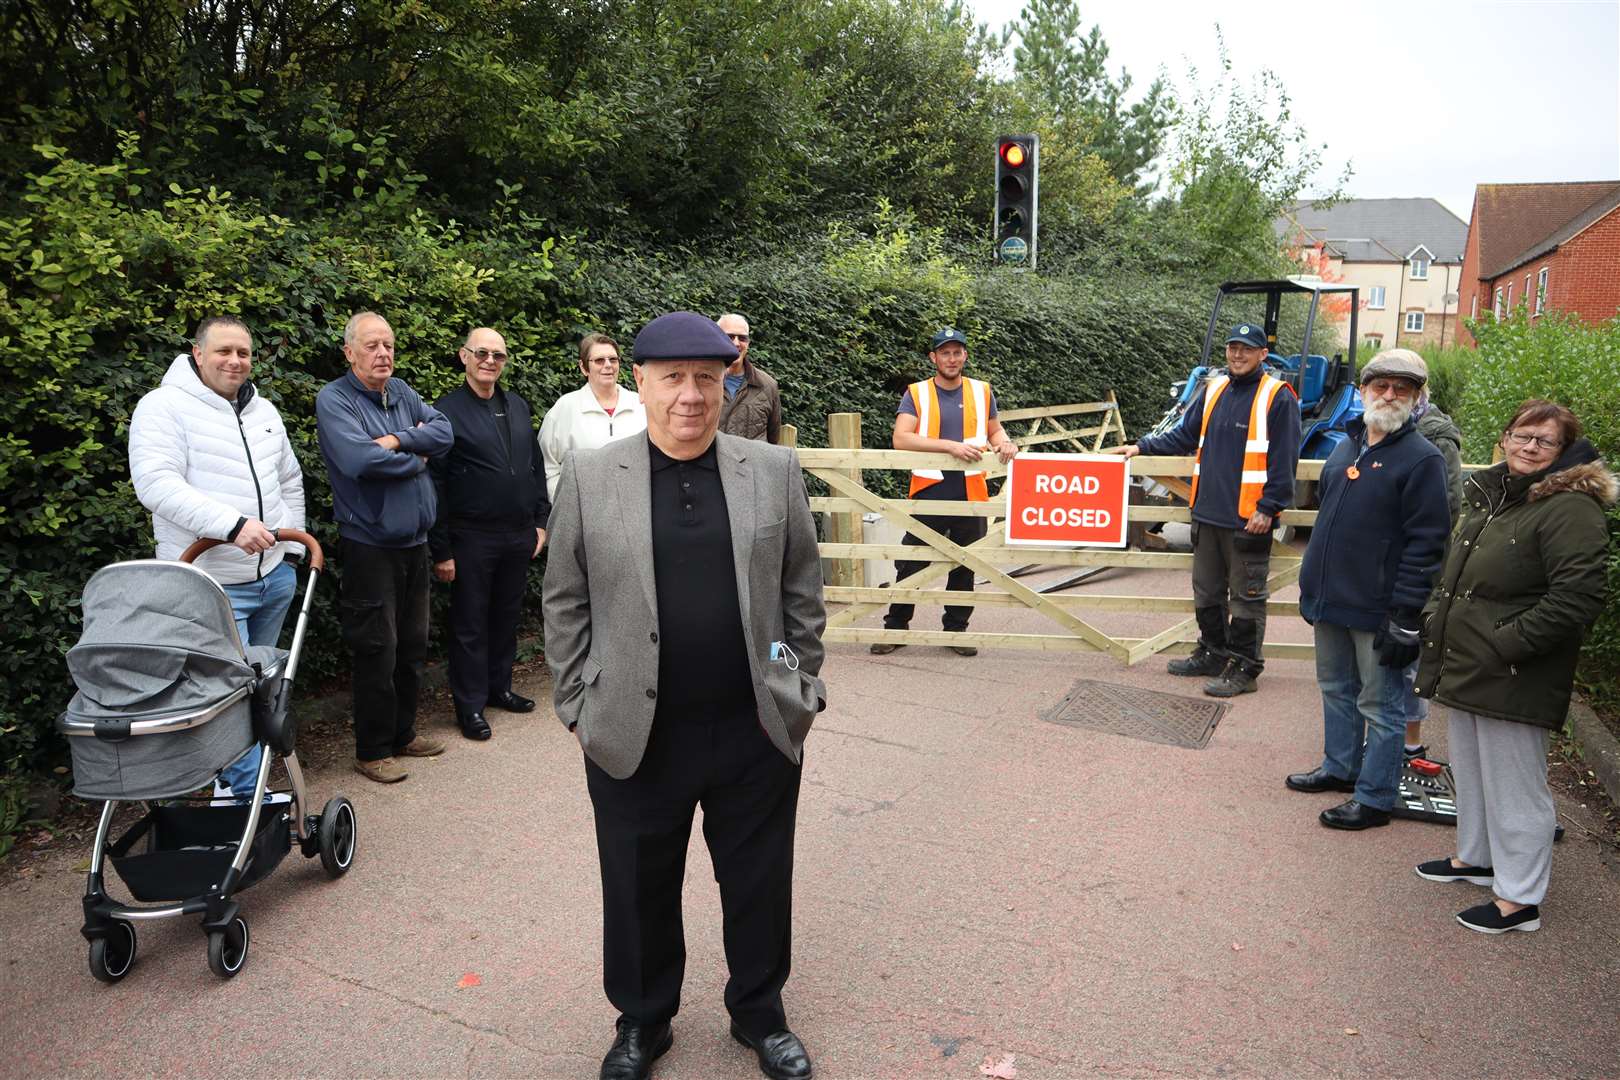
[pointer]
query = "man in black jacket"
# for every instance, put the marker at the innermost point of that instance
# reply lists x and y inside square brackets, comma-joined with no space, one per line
[491,525]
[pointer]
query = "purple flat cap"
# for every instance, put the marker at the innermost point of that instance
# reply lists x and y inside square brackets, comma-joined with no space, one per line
[683,335]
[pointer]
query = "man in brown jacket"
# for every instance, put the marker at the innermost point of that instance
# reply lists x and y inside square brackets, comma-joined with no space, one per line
[753,406]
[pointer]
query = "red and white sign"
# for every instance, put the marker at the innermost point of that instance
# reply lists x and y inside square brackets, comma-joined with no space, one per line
[1067,500]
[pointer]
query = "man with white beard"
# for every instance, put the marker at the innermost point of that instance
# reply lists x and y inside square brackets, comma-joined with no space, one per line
[1379,540]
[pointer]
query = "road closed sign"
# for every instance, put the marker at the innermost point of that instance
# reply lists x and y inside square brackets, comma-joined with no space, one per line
[1067,500]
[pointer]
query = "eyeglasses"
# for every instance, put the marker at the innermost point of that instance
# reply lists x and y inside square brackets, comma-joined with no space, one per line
[741,339]
[485,354]
[1521,438]
[1398,387]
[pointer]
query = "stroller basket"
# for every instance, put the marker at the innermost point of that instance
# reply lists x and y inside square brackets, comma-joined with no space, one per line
[188,848]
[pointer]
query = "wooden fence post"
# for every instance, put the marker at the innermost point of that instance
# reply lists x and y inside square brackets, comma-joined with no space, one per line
[789,436]
[844,433]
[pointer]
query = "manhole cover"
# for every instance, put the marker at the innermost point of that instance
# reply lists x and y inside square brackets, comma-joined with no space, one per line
[1139,714]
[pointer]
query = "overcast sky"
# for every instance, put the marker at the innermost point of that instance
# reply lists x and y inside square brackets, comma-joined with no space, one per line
[1423,97]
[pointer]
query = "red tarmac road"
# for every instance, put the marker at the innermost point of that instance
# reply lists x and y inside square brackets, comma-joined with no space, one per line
[972,881]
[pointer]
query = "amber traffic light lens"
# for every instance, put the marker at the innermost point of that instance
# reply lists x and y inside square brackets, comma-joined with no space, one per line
[1013,155]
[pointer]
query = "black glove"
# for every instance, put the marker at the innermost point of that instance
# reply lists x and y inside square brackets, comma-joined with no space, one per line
[1398,641]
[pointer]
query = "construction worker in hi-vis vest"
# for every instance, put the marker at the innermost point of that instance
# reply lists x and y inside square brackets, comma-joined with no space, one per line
[954,415]
[1244,434]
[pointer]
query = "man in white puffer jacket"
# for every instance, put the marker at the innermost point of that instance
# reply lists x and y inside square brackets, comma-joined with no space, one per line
[210,457]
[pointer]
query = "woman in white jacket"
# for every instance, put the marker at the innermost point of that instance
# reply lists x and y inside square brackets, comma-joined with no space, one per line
[595,414]
[209,457]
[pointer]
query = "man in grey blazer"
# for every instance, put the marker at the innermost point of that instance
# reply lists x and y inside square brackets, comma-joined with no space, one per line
[683,611]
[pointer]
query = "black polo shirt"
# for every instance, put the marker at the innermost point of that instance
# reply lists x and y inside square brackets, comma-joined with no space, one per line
[702,658]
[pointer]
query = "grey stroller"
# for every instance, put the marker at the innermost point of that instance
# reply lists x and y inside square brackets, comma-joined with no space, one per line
[167,696]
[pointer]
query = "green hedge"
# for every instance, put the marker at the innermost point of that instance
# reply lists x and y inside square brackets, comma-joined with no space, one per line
[1554,356]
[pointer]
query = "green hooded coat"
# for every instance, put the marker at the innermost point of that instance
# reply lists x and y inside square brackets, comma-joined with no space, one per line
[1522,583]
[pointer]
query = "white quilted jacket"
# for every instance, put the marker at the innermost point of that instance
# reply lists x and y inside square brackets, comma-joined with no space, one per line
[199,468]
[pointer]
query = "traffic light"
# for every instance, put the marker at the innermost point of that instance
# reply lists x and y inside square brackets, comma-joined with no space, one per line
[1018,170]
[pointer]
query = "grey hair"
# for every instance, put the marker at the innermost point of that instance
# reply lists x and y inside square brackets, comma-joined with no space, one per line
[200,338]
[740,318]
[351,327]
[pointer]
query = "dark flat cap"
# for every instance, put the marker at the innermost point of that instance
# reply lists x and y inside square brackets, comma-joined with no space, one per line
[683,335]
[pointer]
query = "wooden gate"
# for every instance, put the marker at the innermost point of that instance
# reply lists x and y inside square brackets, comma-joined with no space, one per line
[1053,428]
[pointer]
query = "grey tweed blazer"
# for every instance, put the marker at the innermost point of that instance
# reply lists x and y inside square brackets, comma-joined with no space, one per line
[601,602]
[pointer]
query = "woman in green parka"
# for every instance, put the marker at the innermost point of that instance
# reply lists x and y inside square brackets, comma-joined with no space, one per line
[1522,583]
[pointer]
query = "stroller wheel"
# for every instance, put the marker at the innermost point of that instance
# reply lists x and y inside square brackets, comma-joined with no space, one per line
[227,949]
[337,836]
[111,956]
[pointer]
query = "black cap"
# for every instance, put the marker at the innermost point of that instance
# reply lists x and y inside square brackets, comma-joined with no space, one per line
[1247,334]
[683,335]
[947,334]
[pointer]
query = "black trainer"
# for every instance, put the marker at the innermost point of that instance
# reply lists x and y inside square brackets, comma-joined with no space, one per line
[1200,662]
[884,648]
[1488,919]
[1442,870]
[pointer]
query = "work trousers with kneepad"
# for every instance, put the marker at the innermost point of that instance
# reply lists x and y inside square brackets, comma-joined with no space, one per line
[959,530]
[1230,568]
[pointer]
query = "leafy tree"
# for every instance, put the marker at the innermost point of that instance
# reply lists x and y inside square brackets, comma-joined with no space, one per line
[1065,70]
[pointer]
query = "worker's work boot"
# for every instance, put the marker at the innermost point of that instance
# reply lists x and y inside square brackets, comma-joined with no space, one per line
[1202,662]
[1238,678]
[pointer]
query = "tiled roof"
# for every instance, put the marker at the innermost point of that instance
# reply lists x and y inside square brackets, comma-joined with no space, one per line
[1518,222]
[1380,230]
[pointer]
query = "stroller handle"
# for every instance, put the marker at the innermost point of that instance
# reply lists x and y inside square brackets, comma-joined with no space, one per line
[317,560]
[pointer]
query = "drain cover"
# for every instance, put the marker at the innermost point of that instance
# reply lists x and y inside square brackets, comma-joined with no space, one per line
[1139,714]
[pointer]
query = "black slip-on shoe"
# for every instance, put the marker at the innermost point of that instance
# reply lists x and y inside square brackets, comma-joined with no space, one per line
[883,648]
[1318,779]
[634,1050]
[510,702]
[1488,919]
[1353,815]
[474,726]
[1442,870]
[781,1055]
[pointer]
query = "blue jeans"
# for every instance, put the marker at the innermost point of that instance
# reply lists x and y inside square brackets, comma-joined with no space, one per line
[1361,700]
[260,608]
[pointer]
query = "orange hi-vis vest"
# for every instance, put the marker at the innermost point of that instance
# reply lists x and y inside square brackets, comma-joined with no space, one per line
[1253,482]
[975,426]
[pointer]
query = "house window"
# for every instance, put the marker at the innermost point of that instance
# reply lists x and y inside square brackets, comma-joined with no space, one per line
[1473,307]
[1496,308]
[1510,296]
[1414,322]
[1541,291]
[1375,297]
[1420,269]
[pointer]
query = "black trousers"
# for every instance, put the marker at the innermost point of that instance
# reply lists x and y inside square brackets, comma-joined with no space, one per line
[385,626]
[749,792]
[961,530]
[492,570]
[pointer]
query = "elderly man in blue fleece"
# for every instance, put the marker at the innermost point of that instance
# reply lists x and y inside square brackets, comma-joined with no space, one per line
[1379,539]
[376,435]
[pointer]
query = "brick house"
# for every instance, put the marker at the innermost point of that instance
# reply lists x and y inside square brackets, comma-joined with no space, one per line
[1543,247]
[1405,254]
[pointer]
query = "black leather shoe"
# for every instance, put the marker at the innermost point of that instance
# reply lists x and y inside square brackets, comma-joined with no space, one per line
[1352,815]
[635,1049]
[511,702]
[781,1055]
[473,725]
[1318,779]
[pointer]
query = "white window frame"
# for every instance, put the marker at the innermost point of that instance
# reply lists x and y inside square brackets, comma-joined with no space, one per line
[1541,290]
[1473,306]
[1496,307]
[1376,296]
[1409,326]
[1510,298]
[1420,269]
